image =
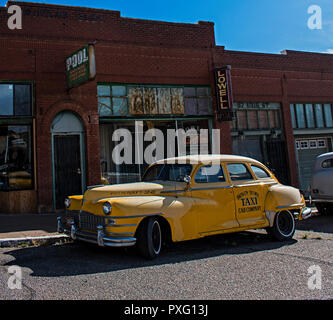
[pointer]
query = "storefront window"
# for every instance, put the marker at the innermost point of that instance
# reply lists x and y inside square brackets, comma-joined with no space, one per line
[300,116]
[15,157]
[293,117]
[15,100]
[6,100]
[274,119]
[241,120]
[128,147]
[328,115]
[16,169]
[309,116]
[263,119]
[252,117]
[319,115]
[256,116]
[116,100]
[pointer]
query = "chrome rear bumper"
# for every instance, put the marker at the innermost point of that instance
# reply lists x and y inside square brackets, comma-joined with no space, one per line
[306,213]
[100,237]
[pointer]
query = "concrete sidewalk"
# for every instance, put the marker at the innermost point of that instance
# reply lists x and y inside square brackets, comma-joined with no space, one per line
[29,229]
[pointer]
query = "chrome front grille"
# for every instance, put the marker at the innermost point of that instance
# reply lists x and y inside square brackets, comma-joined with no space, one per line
[88,221]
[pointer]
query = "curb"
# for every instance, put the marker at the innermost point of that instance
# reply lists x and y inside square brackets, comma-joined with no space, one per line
[33,241]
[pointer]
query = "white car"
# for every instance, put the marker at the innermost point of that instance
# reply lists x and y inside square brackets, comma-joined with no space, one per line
[321,188]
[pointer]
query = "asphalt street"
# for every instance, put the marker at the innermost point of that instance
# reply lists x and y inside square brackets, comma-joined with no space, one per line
[247,265]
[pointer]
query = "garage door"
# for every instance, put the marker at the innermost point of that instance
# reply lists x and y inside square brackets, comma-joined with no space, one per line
[307,151]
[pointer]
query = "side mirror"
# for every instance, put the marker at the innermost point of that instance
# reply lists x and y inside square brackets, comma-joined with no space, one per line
[187,180]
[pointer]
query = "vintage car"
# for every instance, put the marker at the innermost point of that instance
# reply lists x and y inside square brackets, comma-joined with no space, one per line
[185,198]
[321,188]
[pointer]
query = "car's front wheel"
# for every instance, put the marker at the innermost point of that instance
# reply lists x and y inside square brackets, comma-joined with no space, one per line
[149,238]
[283,227]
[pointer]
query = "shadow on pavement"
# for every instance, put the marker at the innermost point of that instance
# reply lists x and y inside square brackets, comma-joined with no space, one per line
[317,224]
[27,222]
[82,258]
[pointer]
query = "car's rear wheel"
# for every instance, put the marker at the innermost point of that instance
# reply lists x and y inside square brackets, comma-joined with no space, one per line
[283,227]
[149,238]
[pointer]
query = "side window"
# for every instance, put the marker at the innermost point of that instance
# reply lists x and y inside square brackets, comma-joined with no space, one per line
[260,172]
[327,163]
[211,173]
[239,171]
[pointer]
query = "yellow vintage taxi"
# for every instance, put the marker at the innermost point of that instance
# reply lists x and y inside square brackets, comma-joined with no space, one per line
[185,198]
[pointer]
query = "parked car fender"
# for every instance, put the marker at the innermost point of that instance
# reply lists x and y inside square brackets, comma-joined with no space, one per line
[321,188]
[281,197]
[75,203]
[175,210]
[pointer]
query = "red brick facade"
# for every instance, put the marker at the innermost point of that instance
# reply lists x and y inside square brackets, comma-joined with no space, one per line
[140,51]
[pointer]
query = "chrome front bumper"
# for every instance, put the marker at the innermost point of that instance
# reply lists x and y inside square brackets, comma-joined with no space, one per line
[305,213]
[100,237]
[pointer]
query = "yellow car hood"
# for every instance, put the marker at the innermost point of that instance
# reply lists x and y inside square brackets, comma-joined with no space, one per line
[128,189]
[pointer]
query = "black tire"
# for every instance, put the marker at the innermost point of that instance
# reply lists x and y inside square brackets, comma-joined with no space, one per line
[149,238]
[283,227]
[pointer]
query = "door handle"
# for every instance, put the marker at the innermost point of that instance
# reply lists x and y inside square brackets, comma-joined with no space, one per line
[79,171]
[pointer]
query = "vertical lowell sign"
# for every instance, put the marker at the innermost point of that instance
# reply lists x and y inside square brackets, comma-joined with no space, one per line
[81,66]
[223,94]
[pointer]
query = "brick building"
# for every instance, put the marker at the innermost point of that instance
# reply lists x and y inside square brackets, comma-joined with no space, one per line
[55,140]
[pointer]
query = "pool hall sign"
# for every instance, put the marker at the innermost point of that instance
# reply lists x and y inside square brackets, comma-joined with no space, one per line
[81,66]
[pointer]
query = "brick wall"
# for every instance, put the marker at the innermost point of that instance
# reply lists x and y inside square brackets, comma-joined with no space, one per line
[140,51]
[127,50]
[286,78]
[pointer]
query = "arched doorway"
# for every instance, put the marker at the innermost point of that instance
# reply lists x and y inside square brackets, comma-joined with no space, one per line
[68,167]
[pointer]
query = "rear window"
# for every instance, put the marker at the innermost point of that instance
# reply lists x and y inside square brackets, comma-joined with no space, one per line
[239,171]
[327,163]
[260,173]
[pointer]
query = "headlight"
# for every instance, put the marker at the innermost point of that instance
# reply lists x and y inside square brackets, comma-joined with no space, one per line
[107,208]
[67,202]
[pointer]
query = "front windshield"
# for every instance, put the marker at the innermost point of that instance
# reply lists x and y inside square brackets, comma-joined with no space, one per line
[167,172]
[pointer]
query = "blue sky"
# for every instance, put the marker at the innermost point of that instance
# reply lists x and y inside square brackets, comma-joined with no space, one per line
[246,25]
